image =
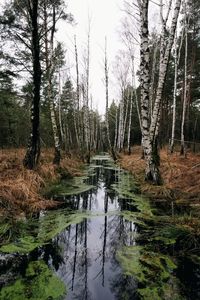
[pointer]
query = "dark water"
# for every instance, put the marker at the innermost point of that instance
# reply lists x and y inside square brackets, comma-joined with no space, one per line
[89,267]
[83,256]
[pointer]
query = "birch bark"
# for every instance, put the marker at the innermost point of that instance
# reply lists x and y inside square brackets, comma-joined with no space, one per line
[107,98]
[149,131]
[182,152]
[49,47]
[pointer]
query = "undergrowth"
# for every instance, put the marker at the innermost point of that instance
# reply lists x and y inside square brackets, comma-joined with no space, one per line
[20,188]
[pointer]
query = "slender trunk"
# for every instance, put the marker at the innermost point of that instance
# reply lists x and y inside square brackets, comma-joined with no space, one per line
[49,46]
[130,122]
[86,111]
[125,119]
[182,152]
[163,70]
[131,105]
[153,72]
[121,121]
[174,96]
[107,98]
[116,129]
[79,140]
[33,152]
[60,111]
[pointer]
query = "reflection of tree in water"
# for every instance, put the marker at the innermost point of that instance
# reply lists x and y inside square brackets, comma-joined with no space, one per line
[81,266]
[124,287]
[73,269]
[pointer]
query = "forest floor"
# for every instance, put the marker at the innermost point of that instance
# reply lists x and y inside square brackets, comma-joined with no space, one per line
[181,175]
[20,189]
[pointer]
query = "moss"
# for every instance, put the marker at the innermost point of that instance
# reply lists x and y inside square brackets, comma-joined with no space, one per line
[39,283]
[153,271]
[126,188]
[168,291]
[45,229]
[70,187]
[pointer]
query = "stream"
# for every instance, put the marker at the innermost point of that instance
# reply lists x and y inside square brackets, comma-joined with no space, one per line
[106,242]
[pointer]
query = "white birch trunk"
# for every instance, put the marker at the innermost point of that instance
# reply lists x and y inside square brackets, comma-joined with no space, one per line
[174,94]
[163,70]
[116,129]
[125,118]
[107,98]
[151,171]
[120,127]
[182,152]
[60,108]
[131,106]
[49,68]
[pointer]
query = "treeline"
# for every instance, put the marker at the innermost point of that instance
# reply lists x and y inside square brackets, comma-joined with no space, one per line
[162,109]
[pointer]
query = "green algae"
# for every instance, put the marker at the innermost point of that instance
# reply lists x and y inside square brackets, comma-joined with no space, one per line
[46,228]
[39,283]
[43,230]
[104,157]
[152,270]
[126,188]
[74,186]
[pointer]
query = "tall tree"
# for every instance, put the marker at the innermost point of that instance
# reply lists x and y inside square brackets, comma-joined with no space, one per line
[110,146]
[150,129]
[33,152]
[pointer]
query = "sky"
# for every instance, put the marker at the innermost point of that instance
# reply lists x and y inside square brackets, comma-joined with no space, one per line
[105,21]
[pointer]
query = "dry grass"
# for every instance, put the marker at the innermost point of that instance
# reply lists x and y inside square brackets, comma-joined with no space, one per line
[20,188]
[181,175]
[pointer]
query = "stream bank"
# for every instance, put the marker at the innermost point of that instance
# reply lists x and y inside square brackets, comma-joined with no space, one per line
[107,241]
[21,190]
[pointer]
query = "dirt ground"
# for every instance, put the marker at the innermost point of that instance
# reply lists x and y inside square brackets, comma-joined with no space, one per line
[181,175]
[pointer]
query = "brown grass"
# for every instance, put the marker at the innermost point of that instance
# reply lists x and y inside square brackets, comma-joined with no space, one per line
[20,188]
[181,175]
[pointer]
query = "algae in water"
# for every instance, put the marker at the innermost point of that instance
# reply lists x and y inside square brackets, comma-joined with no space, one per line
[48,227]
[153,271]
[39,284]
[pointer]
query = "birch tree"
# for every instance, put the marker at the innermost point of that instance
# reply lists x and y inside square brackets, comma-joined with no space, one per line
[185,81]
[50,19]
[107,100]
[150,128]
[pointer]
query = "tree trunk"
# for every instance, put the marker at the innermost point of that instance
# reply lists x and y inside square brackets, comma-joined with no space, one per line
[182,151]
[151,172]
[148,135]
[33,152]
[49,74]
[174,96]
[107,97]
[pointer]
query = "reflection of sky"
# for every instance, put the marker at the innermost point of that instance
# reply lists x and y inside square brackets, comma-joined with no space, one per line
[89,268]
[102,268]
